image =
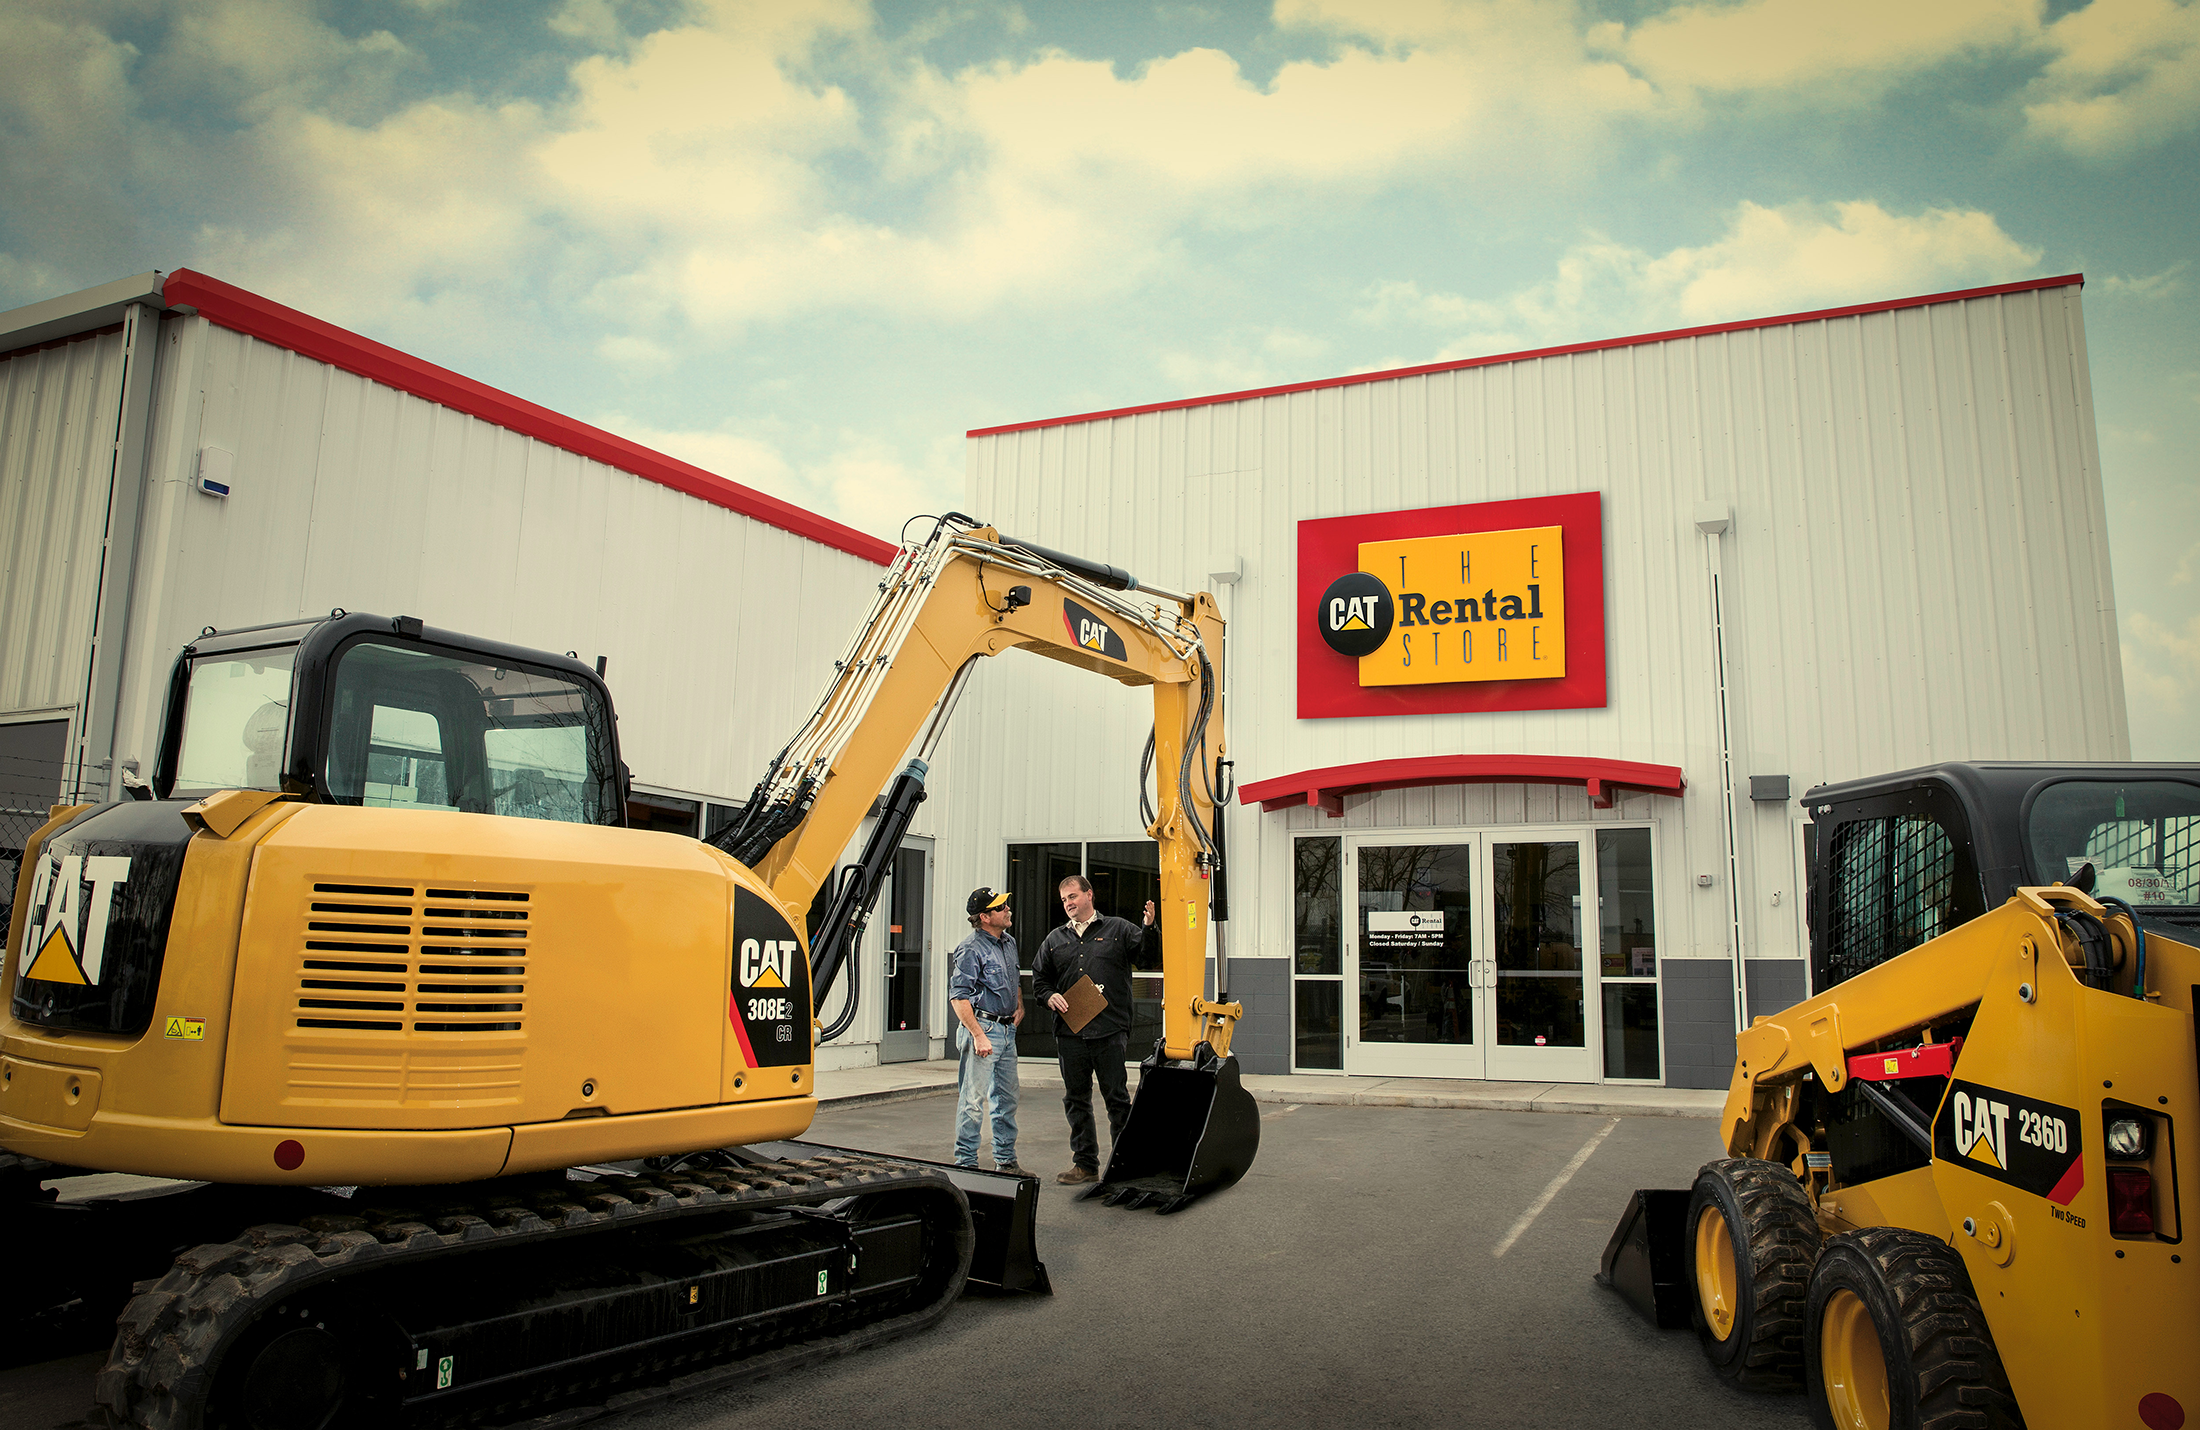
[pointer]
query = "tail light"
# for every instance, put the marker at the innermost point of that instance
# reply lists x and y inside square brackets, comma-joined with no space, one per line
[2130,1202]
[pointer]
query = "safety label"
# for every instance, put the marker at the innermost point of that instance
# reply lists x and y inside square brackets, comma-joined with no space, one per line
[189,1030]
[2022,1141]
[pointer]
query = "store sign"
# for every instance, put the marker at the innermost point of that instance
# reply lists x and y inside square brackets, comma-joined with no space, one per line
[1493,606]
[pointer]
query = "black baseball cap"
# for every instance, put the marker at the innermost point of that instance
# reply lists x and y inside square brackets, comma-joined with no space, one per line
[983,899]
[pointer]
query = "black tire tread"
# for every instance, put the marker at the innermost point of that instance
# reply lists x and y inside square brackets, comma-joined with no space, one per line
[1781,1238]
[1956,1375]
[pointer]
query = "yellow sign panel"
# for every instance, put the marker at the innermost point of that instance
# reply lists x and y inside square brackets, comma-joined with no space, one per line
[1482,605]
[188,1029]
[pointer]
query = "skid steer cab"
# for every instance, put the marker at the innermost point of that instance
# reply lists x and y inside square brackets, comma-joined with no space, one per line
[1958,1177]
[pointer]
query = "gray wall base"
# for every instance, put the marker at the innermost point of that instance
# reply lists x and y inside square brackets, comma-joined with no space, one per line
[1263,1038]
[1699,1013]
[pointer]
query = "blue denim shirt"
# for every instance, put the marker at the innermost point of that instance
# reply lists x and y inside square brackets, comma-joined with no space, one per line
[985,973]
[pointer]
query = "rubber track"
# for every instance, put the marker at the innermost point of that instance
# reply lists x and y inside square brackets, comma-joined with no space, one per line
[1960,1381]
[1782,1237]
[171,1336]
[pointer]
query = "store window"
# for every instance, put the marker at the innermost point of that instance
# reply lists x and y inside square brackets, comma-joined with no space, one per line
[1317,953]
[1627,945]
[1125,874]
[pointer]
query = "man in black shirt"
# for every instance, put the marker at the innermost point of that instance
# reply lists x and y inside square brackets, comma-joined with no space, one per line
[1103,948]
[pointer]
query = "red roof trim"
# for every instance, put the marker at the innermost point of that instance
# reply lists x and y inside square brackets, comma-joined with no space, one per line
[2028,285]
[1326,789]
[249,313]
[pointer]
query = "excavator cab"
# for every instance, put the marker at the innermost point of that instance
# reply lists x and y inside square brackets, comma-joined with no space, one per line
[365,710]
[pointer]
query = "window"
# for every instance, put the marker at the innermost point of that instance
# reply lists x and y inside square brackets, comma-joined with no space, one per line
[1317,953]
[2142,839]
[413,727]
[1627,944]
[235,716]
[1124,874]
[1893,887]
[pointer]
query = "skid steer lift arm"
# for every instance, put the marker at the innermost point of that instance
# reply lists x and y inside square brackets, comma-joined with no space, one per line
[964,593]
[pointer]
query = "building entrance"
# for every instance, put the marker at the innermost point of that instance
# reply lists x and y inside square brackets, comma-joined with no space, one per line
[1469,956]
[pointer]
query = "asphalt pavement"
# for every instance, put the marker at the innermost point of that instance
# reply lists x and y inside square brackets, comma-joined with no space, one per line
[1380,1265]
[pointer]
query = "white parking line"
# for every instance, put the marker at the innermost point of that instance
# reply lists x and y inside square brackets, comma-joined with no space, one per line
[1535,1209]
[1294,1107]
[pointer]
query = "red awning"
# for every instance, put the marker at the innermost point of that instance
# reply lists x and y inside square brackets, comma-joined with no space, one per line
[1327,788]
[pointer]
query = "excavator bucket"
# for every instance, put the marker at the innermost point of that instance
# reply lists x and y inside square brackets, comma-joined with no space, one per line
[1194,1129]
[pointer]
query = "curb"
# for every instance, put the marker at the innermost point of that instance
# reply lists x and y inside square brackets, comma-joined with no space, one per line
[1585,1108]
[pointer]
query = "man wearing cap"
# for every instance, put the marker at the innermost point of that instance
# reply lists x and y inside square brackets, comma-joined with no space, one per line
[988,1001]
[1103,948]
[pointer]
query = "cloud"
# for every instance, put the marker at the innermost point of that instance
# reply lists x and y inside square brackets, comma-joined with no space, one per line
[2123,73]
[2150,287]
[1778,46]
[2163,661]
[2188,566]
[1769,260]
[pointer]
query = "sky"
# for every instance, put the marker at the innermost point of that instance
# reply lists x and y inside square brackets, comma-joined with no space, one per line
[806,244]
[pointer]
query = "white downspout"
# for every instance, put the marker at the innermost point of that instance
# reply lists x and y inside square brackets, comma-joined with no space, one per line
[1712,519]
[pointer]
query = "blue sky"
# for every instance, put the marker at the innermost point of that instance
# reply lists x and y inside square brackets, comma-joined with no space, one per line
[807,244]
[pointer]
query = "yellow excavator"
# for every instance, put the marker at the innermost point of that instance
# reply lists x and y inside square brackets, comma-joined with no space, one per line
[1953,1194]
[474,1105]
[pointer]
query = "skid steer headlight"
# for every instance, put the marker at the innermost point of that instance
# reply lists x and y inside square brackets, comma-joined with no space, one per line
[2127,1138]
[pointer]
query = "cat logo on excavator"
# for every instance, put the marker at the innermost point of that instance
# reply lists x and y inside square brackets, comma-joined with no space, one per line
[67,938]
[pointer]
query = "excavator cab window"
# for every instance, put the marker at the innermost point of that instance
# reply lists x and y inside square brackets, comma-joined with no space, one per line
[2142,838]
[411,726]
[236,714]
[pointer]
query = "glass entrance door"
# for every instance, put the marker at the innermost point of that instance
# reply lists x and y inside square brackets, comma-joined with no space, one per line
[1409,960]
[908,939]
[1534,973]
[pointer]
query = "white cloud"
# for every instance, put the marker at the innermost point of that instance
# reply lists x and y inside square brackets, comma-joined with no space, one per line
[2163,661]
[2124,73]
[2151,286]
[1779,46]
[2188,566]
[1769,261]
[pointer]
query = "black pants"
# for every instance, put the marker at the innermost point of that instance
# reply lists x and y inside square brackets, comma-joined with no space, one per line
[1081,1058]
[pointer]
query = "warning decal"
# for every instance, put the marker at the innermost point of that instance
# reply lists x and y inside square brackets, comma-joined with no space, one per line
[2029,1144]
[189,1030]
[768,1005]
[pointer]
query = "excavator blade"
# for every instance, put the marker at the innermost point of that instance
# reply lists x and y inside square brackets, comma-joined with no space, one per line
[1004,1220]
[1193,1129]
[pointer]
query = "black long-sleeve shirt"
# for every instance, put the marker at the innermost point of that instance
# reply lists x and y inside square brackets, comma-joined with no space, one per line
[1105,955]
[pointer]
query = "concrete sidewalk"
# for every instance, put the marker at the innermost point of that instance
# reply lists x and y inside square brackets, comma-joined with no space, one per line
[890,1082]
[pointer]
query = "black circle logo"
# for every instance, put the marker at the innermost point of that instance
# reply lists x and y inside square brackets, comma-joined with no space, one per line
[1355,614]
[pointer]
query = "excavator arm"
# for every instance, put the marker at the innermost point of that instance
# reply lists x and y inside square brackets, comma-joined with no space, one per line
[963,593]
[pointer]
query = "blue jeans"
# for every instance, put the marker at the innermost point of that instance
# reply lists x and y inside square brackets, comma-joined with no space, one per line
[983,1083]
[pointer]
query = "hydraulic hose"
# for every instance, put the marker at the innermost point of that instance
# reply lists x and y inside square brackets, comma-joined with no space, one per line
[2139,936]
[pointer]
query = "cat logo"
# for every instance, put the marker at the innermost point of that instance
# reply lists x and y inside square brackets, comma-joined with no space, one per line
[1982,1130]
[2018,1140]
[71,898]
[767,963]
[1355,614]
[1092,633]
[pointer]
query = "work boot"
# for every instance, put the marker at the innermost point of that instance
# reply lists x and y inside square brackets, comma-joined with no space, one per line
[1010,1169]
[1076,1175]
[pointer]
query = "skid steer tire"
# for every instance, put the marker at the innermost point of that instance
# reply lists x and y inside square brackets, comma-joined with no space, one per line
[1752,1238]
[1897,1340]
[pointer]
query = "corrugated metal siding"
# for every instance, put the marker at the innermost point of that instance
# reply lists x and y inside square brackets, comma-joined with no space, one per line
[57,433]
[1917,570]
[719,628]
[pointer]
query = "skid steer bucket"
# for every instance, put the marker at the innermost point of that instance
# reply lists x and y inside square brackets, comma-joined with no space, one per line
[1193,1129]
[1646,1260]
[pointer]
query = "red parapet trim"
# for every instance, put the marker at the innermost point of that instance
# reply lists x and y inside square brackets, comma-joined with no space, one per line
[1820,315]
[1325,789]
[248,313]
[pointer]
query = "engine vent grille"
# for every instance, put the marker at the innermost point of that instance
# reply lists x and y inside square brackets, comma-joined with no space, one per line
[390,958]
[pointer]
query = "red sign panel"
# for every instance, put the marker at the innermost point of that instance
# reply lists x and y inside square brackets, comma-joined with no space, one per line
[1330,680]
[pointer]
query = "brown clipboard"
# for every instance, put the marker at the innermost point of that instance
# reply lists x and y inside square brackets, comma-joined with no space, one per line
[1085,1003]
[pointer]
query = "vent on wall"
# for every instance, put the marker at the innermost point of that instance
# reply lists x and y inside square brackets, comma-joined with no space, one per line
[390,958]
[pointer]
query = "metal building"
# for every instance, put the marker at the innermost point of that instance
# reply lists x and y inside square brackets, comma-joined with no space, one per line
[1743,560]
[177,453]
